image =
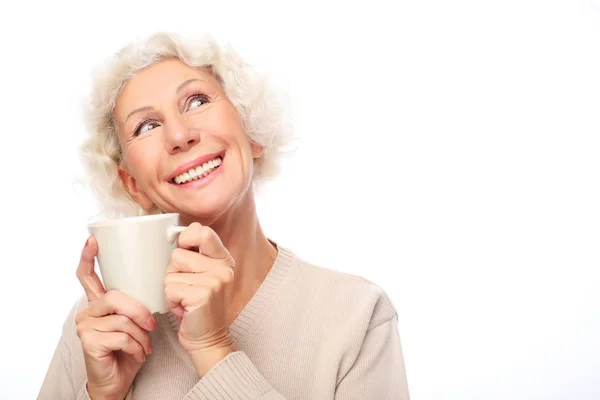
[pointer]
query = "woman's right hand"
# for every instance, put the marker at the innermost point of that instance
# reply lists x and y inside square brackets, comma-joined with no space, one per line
[113,330]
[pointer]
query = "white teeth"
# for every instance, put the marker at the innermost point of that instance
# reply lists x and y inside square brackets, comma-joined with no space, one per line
[198,172]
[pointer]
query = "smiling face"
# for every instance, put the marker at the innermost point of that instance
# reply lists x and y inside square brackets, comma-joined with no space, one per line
[184,144]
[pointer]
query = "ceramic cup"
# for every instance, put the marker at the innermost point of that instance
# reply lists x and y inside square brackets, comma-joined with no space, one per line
[133,255]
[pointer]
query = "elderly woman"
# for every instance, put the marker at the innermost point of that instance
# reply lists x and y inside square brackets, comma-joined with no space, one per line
[248,318]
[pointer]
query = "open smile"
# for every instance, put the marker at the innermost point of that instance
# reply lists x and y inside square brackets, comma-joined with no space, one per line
[198,171]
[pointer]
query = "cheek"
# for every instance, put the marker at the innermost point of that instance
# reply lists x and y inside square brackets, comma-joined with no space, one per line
[227,128]
[143,160]
[227,122]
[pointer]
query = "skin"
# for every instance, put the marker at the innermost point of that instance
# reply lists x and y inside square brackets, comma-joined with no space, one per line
[206,290]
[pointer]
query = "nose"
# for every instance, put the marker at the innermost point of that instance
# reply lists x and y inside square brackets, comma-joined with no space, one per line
[179,136]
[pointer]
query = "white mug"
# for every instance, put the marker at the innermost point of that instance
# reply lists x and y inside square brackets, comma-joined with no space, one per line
[133,255]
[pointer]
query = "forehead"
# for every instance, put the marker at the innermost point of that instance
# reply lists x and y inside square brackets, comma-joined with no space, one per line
[153,83]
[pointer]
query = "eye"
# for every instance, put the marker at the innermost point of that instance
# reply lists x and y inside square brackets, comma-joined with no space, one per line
[197,101]
[145,126]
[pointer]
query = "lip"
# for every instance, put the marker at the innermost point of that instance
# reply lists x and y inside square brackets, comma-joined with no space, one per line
[202,182]
[195,163]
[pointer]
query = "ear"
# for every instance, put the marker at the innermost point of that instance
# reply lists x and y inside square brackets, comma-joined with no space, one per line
[133,189]
[257,150]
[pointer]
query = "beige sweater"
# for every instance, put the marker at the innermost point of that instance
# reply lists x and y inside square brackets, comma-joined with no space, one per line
[307,333]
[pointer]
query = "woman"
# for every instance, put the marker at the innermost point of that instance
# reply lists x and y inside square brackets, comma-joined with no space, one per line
[187,127]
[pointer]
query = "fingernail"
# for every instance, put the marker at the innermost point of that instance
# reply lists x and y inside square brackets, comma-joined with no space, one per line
[151,323]
[87,242]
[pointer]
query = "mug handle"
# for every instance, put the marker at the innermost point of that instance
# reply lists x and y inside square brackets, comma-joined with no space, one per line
[174,231]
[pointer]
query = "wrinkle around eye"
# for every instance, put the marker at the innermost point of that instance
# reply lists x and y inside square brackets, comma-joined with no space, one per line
[144,124]
[133,139]
[195,97]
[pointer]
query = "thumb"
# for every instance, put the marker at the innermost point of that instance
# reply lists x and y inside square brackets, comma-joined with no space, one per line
[85,271]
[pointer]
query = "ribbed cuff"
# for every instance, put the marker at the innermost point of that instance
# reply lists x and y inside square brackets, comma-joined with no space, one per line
[233,378]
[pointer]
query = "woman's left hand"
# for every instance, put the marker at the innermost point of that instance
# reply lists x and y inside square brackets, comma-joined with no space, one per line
[197,291]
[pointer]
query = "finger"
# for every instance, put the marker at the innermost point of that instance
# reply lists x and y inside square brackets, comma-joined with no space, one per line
[187,261]
[115,323]
[190,279]
[85,271]
[206,239]
[190,261]
[178,311]
[122,341]
[181,295]
[82,315]
[115,302]
[122,323]
[224,275]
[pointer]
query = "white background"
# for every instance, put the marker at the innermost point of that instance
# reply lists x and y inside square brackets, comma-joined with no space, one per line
[447,150]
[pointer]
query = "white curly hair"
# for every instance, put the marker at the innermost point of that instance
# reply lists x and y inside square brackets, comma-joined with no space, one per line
[266,119]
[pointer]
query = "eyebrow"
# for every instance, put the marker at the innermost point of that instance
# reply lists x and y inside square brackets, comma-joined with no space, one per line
[184,84]
[149,108]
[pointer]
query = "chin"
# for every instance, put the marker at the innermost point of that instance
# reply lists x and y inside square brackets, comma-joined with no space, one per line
[209,207]
[206,202]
